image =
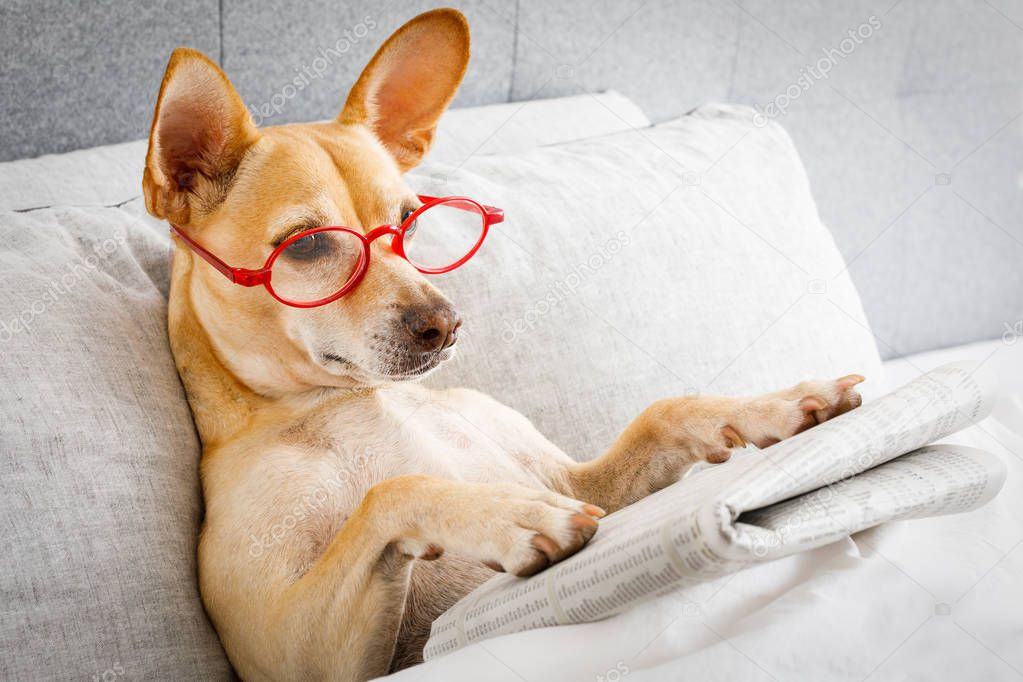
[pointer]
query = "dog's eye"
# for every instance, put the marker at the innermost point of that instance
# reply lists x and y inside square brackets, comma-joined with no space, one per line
[412,227]
[307,248]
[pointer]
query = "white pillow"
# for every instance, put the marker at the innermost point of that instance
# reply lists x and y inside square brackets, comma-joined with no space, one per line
[679,259]
[105,176]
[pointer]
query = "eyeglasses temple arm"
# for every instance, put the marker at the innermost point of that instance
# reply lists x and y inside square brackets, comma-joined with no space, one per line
[248,278]
[493,213]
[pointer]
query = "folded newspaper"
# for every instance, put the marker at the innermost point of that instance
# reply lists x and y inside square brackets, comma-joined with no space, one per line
[863,468]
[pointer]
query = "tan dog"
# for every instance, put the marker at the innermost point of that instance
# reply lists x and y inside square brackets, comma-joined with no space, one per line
[330,484]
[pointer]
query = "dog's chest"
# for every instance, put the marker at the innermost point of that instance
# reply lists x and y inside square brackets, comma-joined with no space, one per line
[435,433]
[336,453]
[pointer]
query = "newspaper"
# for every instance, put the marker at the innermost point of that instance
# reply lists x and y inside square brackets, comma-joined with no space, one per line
[868,466]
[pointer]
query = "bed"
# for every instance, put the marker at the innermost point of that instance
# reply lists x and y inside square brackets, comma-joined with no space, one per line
[758,252]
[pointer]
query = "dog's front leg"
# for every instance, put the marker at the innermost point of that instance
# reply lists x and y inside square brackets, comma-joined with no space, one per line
[340,620]
[672,435]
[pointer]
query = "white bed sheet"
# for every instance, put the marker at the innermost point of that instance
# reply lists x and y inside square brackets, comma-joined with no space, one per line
[929,599]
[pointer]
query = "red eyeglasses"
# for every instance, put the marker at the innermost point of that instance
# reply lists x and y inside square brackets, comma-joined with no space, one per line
[320,265]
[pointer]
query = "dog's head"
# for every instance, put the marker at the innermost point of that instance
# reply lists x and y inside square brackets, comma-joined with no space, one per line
[239,190]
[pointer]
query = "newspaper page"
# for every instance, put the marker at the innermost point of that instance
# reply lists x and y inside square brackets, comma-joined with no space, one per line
[931,481]
[840,477]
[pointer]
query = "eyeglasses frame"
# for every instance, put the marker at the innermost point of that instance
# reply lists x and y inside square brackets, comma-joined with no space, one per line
[247,277]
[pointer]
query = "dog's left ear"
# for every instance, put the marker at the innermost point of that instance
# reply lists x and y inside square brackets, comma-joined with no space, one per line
[410,81]
[201,129]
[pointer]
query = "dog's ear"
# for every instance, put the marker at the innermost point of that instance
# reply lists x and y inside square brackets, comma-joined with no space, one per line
[201,129]
[410,81]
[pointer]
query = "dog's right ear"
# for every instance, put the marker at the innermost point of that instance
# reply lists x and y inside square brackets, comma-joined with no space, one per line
[201,129]
[410,81]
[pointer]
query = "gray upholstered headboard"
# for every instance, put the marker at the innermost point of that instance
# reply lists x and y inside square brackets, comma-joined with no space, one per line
[906,112]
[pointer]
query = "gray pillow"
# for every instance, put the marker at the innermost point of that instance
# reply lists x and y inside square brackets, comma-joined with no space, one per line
[683,258]
[98,456]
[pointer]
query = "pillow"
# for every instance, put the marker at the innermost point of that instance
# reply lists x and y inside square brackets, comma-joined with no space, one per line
[109,175]
[503,128]
[101,500]
[686,258]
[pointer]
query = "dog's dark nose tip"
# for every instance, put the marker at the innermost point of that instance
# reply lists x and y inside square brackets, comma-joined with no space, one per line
[432,328]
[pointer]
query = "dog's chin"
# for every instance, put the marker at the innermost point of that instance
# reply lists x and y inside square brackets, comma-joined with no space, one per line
[403,367]
[407,368]
[420,367]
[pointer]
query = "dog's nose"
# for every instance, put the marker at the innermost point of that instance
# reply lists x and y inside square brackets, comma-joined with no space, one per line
[432,328]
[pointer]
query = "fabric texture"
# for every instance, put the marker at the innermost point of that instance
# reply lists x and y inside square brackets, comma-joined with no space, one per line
[80,75]
[913,600]
[100,500]
[686,258]
[911,138]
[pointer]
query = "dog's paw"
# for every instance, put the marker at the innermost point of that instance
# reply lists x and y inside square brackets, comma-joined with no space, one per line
[768,419]
[821,400]
[528,530]
[508,527]
[809,403]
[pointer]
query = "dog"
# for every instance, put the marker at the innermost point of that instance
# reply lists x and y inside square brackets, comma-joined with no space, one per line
[340,517]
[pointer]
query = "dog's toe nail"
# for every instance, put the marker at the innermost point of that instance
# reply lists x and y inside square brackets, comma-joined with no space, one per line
[545,545]
[580,520]
[494,566]
[850,380]
[719,456]
[539,562]
[733,439]
[594,510]
[812,403]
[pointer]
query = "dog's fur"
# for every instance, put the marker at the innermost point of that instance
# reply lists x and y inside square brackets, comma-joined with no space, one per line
[332,486]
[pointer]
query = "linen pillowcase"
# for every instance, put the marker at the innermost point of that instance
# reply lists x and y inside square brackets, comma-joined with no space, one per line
[98,456]
[680,259]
